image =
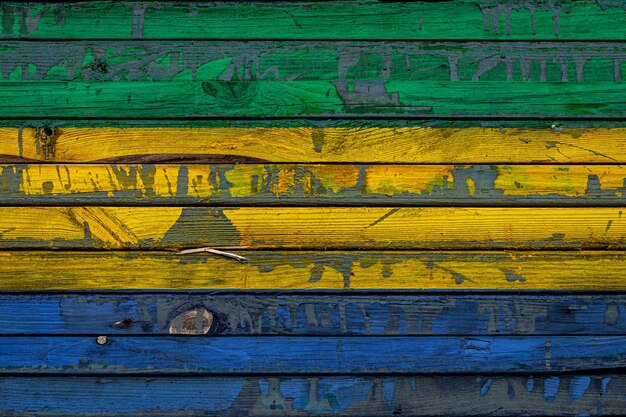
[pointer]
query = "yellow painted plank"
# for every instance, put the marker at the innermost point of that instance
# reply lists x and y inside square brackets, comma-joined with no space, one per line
[306,144]
[174,184]
[312,227]
[44,270]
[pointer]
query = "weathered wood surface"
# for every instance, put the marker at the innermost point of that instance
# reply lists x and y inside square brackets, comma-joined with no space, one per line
[321,101]
[452,143]
[310,355]
[463,19]
[312,314]
[418,396]
[313,185]
[343,63]
[260,79]
[347,228]
[262,98]
[273,270]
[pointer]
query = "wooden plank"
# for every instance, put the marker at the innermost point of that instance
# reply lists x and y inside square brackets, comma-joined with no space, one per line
[37,271]
[310,314]
[310,355]
[307,184]
[461,19]
[415,396]
[261,98]
[456,144]
[343,63]
[346,228]
[232,79]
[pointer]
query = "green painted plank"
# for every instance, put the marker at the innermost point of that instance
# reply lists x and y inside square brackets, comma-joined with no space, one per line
[265,79]
[312,61]
[339,396]
[460,19]
[218,99]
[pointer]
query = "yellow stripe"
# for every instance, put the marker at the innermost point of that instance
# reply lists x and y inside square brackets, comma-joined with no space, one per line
[406,145]
[319,228]
[254,180]
[313,270]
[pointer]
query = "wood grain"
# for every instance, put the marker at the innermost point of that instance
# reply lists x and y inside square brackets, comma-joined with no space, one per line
[486,277]
[358,143]
[294,313]
[321,228]
[308,184]
[464,19]
[415,396]
[260,79]
[310,355]
[496,270]
[343,63]
[262,98]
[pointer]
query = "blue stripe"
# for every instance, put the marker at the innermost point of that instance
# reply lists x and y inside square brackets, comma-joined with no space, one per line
[331,314]
[280,354]
[338,396]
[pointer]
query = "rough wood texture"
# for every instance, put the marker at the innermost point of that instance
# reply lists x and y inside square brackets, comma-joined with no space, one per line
[263,98]
[457,144]
[343,63]
[109,106]
[461,19]
[312,228]
[316,185]
[419,396]
[311,314]
[38,271]
[312,79]
[310,355]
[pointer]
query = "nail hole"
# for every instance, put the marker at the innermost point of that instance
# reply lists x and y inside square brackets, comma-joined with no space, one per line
[101,340]
[47,131]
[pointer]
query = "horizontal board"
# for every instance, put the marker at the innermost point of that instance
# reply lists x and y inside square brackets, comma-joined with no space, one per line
[226,79]
[291,184]
[310,314]
[309,355]
[590,271]
[462,19]
[312,228]
[263,98]
[346,64]
[478,395]
[305,141]
[233,79]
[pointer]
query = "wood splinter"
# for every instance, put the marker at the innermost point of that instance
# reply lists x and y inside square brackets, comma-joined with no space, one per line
[123,323]
[241,259]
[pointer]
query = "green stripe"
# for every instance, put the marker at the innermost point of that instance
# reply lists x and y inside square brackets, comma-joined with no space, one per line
[340,79]
[461,19]
[311,99]
[312,61]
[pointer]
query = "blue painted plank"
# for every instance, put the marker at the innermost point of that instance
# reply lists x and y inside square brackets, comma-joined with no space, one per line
[478,395]
[318,355]
[324,314]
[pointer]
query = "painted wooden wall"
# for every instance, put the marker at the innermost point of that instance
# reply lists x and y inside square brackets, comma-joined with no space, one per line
[411,208]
